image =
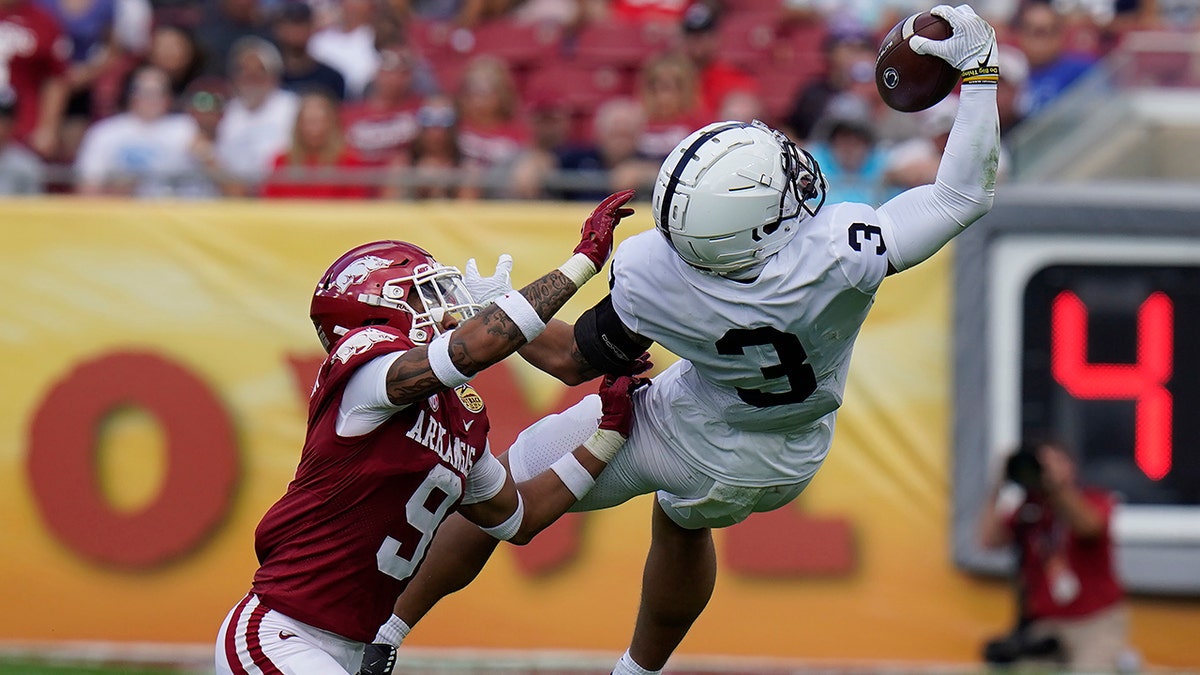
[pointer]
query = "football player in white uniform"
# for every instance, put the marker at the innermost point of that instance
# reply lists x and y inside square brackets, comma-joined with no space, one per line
[761,290]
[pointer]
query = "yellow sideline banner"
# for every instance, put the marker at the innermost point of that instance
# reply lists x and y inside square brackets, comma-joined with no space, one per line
[157,359]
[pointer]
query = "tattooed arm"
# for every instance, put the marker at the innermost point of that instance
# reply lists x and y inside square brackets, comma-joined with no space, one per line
[495,333]
[479,342]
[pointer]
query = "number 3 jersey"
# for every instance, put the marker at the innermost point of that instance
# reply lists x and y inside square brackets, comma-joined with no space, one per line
[765,361]
[355,522]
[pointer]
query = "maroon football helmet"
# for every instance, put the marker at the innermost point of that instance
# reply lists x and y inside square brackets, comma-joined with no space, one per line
[391,283]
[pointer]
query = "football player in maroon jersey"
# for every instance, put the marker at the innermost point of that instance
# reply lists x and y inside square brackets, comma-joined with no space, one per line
[397,440]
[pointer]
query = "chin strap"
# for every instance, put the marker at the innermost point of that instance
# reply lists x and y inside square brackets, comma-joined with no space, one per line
[746,273]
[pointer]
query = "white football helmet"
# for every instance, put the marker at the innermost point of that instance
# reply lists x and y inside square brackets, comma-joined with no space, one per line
[734,193]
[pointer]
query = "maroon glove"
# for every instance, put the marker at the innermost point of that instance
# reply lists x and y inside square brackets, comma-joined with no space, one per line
[597,240]
[616,402]
[639,365]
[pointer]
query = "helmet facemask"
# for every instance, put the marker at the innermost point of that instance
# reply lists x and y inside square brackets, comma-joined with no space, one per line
[440,291]
[390,283]
[805,182]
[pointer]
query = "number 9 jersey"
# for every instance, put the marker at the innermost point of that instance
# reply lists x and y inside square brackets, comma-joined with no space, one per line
[357,519]
[754,401]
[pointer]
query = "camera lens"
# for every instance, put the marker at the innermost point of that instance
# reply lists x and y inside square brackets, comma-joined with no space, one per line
[1024,469]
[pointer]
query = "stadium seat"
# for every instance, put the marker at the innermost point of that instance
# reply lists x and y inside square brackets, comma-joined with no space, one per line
[1156,68]
[578,87]
[779,86]
[514,42]
[448,69]
[800,43]
[625,45]
[576,84]
[522,45]
[430,38]
[748,38]
[756,6]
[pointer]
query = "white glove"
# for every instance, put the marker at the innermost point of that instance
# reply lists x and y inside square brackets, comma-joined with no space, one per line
[485,290]
[971,45]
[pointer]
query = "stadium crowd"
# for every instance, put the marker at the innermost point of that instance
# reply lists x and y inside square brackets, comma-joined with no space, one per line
[546,99]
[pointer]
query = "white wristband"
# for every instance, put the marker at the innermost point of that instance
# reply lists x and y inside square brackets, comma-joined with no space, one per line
[578,269]
[573,475]
[393,632]
[605,444]
[517,307]
[505,531]
[441,364]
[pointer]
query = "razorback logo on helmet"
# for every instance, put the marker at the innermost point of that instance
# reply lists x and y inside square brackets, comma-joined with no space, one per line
[470,398]
[358,270]
[361,342]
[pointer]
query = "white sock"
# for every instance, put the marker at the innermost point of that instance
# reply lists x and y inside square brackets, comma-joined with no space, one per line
[393,632]
[627,666]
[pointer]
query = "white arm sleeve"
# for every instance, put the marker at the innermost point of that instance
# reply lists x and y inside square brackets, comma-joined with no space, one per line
[365,403]
[485,479]
[918,222]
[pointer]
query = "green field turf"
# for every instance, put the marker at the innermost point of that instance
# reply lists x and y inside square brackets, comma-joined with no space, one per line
[8,667]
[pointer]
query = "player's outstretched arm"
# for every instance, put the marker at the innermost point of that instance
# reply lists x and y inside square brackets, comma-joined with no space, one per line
[551,352]
[556,350]
[511,321]
[560,352]
[919,222]
[518,512]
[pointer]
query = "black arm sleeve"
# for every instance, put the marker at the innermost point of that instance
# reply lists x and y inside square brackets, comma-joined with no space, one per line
[605,342]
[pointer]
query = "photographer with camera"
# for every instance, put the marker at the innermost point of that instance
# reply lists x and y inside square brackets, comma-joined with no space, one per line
[1071,608]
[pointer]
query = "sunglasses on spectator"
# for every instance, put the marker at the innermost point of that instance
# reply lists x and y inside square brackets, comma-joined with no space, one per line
[206,101]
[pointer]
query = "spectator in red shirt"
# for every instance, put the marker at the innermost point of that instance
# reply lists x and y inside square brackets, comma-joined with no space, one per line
[312,166]
[668,89]
[434,168]
[1069,592]
[492,129]
[382,126]
[33,65]
[702,44]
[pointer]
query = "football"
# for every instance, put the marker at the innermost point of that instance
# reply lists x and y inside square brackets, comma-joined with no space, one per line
[908,81]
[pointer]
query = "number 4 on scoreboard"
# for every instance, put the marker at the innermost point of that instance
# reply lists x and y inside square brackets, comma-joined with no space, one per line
[1143,382]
